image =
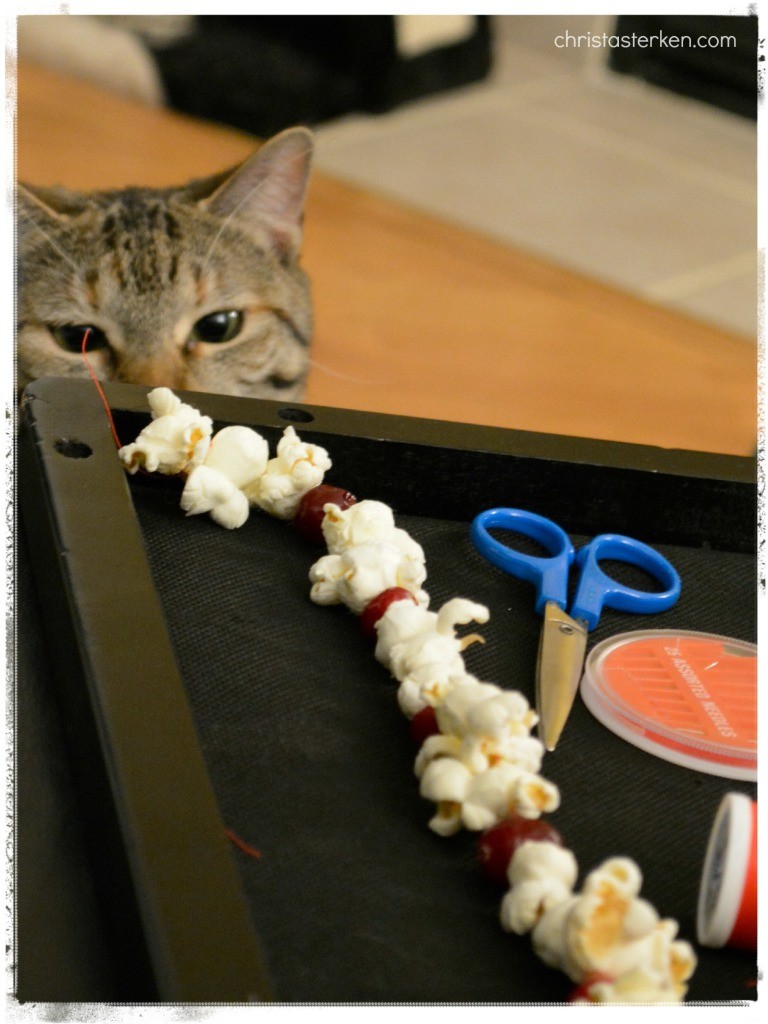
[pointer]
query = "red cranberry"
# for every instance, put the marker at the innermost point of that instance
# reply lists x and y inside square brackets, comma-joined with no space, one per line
[497,845]
[308,520]
[379,604]
[583,992]
[423,725]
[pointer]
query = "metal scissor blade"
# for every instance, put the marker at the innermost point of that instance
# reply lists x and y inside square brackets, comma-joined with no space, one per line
[562,649]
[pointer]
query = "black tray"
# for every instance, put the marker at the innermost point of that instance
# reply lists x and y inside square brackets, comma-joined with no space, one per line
[201,691]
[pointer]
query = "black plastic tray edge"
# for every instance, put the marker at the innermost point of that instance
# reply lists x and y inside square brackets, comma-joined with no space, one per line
[447,433]
[660,495]
[138,760]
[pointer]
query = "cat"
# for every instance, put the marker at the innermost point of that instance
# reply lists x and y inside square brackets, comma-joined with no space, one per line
[196,288]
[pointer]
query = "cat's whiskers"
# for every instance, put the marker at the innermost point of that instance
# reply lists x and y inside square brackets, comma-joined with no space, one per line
[339,374]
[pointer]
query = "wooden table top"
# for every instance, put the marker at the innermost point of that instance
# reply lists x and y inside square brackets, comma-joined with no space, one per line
[418,317]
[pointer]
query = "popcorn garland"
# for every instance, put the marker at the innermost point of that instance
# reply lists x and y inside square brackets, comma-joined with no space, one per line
[478,762]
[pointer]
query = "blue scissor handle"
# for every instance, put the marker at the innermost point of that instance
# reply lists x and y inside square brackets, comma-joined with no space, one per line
[596,590]
[549,575]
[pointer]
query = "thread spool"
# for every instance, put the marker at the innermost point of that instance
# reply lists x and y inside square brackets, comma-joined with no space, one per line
[727,908]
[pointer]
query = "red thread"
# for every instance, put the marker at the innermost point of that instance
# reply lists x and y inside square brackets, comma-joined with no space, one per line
[242,845]
[246,848]
[100,389]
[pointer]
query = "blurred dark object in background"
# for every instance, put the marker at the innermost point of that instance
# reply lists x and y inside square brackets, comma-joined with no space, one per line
[722,75]
[263,73]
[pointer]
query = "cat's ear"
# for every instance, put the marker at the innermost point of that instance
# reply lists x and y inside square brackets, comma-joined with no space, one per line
[31,201]
[270,187]
[53,203]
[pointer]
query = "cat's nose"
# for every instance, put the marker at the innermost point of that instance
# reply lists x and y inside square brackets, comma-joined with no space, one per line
[163,371]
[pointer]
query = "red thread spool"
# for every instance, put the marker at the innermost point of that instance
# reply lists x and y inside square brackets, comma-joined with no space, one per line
[727,909]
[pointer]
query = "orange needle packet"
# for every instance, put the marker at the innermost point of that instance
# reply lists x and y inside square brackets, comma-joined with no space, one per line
[688,697]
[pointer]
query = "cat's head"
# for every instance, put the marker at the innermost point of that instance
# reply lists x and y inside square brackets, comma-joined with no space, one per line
[197,287]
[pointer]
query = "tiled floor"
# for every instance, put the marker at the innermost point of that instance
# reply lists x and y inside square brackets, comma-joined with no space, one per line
[625,182]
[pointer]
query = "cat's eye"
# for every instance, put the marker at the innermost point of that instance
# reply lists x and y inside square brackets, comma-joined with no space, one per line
[70,337]
[217,327]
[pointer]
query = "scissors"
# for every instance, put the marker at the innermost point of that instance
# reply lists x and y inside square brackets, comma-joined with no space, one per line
[563,640]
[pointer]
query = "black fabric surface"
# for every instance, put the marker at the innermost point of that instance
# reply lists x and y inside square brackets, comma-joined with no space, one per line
[355,899]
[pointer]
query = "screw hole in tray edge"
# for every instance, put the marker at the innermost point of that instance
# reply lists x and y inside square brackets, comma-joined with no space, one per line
[294,415]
